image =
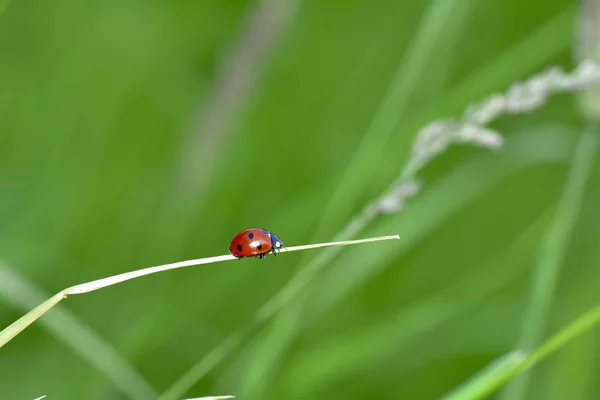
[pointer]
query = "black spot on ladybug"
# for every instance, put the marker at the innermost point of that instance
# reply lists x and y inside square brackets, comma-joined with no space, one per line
[259,247]
[250,235]
[239,247]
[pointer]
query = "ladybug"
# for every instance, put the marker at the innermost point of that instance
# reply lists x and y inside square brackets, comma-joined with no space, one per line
[254,242]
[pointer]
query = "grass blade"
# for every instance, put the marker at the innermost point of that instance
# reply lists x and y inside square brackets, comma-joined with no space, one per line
[3,6]
[18,326]
[479,385]
[389,112]
[553,251]
[581,325]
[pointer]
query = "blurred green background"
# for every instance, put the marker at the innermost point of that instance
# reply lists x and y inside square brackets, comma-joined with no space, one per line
[138,133]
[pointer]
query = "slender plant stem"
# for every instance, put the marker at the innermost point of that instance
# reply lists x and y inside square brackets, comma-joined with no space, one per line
[18,326]
[101,283]
[552,253]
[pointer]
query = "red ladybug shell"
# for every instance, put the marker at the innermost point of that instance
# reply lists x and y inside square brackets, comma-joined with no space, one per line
[254,242]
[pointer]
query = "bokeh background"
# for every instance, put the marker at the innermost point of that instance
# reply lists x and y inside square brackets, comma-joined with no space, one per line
[138,133]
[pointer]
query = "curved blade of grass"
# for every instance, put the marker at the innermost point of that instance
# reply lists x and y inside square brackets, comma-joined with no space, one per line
[113,280]
[18,326]
[493,382]
[552,253]
[74,333]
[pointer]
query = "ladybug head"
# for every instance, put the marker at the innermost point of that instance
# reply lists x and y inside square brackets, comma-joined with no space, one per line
[276,242]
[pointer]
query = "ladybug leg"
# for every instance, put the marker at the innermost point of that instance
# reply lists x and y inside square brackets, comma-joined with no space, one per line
[274,251]
[262,256]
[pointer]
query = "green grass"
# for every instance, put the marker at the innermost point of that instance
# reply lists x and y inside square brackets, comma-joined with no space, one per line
[553,251]
[507,367]
[96,101]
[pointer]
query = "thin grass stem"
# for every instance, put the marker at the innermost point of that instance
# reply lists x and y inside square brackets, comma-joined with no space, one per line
[18,326]
[105,282]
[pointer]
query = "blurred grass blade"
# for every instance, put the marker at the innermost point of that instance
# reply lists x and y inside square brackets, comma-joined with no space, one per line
[587,44]
[534,51]
[3,6]
[553,251]
[66,327]
[481,385]
[407,77]
[581,325]
[236,80]
[439,73]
